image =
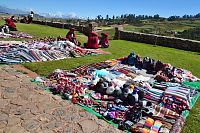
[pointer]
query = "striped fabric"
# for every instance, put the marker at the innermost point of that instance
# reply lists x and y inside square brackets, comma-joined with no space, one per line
[41,51]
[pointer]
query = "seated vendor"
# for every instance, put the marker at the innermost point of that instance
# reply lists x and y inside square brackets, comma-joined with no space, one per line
[104,40]
[10,24]
[92,41]
[71,36]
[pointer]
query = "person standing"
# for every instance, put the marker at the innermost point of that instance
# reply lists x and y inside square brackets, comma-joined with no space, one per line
[30,17]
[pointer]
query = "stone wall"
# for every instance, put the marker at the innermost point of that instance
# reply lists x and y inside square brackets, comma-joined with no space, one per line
[179,43]
[83,29]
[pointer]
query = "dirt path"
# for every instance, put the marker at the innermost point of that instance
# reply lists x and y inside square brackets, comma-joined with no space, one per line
[25,107]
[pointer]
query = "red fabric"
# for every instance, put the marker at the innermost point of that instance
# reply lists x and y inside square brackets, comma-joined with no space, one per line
[162,78]
[10,23]
[105,40]
[93,33]
[105,34]
[71,36]
[92,41]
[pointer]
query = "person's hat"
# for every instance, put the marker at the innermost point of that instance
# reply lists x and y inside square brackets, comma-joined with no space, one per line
[104,34]
[94,33]
[72,29]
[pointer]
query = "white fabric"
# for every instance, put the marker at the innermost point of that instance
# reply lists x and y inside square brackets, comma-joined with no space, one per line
[141,78]
[5,29]
[31,15]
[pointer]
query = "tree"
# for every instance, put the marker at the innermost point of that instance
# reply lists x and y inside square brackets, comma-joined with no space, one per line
[156,16]
[113,17]
[125,15]
[197,15]
[107,17]
[88,19]
[173,18]
[99,17]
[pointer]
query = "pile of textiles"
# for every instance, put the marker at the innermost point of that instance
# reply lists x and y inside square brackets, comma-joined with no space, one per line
[34,51]
[127,92]
[15,35]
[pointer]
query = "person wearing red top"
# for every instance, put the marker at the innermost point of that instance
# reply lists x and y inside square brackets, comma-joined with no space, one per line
[92,41]
[71,36]
[104,40]
[10,23]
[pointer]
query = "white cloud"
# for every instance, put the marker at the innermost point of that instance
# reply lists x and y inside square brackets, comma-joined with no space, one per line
[72,14]
[59,14]
[30,9]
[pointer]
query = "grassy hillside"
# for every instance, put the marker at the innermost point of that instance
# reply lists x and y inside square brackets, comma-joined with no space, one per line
[164,27]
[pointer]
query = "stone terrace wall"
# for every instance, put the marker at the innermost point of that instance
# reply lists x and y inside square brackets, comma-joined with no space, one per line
[179,43]
[83,29]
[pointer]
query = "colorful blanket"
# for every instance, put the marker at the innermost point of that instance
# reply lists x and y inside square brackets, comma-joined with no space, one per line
[15,35]
[42,51]
[127,97]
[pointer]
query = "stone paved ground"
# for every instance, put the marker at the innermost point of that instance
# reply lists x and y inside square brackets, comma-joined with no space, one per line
[24,108]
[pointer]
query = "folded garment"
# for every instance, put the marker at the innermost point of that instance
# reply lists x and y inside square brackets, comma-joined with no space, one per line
[162,111]
[178,125]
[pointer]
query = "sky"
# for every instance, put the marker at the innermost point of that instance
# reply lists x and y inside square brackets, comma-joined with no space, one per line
[92,8]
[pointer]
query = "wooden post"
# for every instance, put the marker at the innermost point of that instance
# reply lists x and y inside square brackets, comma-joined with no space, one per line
[117,36]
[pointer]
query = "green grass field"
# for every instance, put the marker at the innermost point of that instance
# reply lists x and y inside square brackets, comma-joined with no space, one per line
[119,48]
[162,27]
[38,31]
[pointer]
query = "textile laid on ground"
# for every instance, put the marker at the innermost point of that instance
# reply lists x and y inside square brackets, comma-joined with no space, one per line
[41,51]
[15,35]
[11,42]
[130,92]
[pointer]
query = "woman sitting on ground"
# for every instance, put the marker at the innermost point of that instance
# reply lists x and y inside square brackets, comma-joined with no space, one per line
[92,41]
[10,24]
[71,36]
[24,20]
[104,40]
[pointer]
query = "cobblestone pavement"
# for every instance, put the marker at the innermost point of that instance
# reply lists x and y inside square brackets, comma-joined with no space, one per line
[24,108]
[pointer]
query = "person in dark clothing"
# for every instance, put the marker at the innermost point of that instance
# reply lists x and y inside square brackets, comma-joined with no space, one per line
[24,20]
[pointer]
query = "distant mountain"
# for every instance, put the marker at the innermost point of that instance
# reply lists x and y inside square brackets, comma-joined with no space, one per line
[19,12]
[60,15]
[7,10]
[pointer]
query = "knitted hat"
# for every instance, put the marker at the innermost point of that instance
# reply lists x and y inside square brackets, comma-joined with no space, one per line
[104,34]
[93,33]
